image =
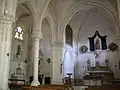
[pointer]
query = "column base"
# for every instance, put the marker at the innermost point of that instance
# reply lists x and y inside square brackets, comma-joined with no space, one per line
[35,83]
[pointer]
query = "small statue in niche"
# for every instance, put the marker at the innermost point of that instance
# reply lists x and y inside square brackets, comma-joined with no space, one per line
[18,51]
[97,44]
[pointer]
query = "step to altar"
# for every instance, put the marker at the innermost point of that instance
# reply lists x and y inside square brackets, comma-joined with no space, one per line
[80,87]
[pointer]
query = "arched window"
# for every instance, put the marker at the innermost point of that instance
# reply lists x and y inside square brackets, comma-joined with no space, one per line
[69,35]
[19,33]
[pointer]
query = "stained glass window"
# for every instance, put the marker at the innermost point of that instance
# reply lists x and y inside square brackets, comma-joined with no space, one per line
[19,33]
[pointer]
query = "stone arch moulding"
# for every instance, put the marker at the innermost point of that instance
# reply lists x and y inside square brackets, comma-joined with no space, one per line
[77,8]
[49,17]
[29,6]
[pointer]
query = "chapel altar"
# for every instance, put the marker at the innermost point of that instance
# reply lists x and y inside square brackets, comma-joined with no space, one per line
[98,76]
[94,66]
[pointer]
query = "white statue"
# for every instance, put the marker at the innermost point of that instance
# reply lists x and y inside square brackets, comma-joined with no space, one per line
[67,61]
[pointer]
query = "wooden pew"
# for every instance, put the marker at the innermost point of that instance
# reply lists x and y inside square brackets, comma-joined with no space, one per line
[104,87]
[64,86]
[37,88]
[48,86]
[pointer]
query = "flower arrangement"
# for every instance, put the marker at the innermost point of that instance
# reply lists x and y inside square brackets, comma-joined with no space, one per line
[112,46]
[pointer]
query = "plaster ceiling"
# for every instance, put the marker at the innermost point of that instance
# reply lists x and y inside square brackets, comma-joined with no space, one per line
[90,20]
[92,17]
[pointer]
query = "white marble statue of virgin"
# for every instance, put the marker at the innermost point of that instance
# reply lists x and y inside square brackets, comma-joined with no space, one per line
[67,61]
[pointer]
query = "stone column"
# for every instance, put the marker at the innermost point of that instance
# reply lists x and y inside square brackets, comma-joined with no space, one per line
[6,23]
[117,27]
[117,53]
[118,43]
[118,6]
[118,32]
[7,17]
[36,39]
[56,62]
[116,56]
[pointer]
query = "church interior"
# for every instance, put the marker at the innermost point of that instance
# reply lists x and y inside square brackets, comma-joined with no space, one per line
[60,45]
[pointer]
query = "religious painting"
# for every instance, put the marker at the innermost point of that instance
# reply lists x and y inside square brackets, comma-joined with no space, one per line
[69,35]
[99,43]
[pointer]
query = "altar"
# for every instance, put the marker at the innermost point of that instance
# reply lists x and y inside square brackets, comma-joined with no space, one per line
[98,76]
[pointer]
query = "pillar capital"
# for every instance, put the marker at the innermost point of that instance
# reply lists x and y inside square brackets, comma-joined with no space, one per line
[118,38]
[57,44]
[7,19]
[37,34]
